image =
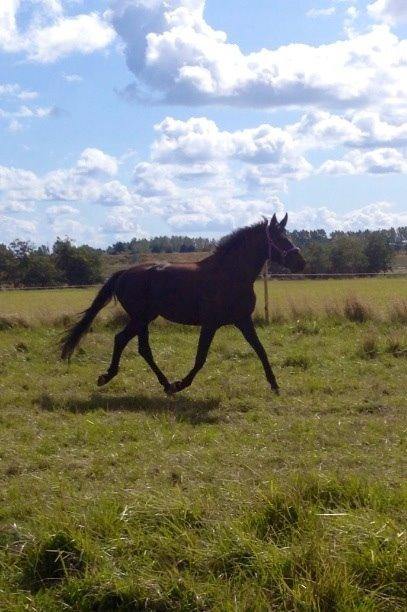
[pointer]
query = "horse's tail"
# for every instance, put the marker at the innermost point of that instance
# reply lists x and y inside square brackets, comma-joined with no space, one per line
[74,334]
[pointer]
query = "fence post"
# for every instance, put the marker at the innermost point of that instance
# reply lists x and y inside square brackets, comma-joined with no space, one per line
[266,293]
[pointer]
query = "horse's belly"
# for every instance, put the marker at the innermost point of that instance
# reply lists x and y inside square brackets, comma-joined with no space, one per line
[179,309]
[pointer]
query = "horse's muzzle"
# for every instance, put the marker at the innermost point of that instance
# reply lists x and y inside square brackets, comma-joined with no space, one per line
[294,261]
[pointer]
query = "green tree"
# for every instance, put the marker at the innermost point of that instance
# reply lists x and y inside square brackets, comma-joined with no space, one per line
[316,254]
[40,271]
[378,252]
[8,265]
[79,265]
[347,255]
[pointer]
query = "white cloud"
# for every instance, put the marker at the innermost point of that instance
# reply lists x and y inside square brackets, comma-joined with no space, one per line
[12,228]
[50,34]
[122,222]
[320,129]
[72,78]
[94,162]
[115,193]
[321,12]
[177,57]
[79,34]
[63,209]
[198,140]
[377,161]
[15,90]
[89,180]
[393,12]
[152,180]
[14,206]
[379,215]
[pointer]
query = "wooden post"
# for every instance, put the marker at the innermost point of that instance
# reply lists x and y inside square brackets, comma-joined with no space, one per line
[266,294]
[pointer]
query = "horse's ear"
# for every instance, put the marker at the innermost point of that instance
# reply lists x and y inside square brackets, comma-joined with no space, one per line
[273,221]
[283,222]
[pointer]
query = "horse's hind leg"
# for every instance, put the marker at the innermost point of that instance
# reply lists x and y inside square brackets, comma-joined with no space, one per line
[205,340]
[144,350]
[120,342]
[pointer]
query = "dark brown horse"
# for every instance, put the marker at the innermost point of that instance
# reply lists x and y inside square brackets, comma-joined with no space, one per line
[213,292]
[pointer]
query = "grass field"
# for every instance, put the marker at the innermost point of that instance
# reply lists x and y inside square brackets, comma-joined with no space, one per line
[288,299]
[225,497]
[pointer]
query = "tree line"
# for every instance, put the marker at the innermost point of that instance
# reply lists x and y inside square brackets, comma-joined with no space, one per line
[22,264]
[350,252]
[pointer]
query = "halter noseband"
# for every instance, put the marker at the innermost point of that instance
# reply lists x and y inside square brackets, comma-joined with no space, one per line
[283,252]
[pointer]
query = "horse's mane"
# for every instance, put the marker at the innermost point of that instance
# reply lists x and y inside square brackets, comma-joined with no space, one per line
[235,239]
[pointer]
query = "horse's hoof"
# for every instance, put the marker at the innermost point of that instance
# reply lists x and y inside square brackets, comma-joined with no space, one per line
[173,388]
[169,390]
[276,390]
[102,380]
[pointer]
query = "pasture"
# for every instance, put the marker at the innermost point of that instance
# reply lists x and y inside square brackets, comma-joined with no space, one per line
[225,497]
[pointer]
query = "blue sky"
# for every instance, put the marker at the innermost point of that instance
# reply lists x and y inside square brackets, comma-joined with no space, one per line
[139,117]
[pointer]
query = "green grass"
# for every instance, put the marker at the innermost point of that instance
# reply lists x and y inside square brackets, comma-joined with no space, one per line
[225,497]
[288,299]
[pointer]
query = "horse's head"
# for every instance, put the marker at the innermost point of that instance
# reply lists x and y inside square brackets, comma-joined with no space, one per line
[281,249]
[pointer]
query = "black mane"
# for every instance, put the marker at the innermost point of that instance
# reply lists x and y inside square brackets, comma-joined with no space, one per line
[233,240]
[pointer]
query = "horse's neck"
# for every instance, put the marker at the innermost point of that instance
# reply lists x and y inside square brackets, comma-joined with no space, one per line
[244,265]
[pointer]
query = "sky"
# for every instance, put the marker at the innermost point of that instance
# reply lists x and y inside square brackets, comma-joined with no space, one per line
[133,118]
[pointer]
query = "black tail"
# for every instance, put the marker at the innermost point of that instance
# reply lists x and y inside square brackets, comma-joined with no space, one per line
[73,335]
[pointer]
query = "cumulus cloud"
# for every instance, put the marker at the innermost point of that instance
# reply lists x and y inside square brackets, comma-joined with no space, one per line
[94,162]
[89,180]
[152,180]
[393,12]
[199,141]
[377,161]
[122,222]
[12,228]
[379,215]
[177,57]
[49,33]
[320,129]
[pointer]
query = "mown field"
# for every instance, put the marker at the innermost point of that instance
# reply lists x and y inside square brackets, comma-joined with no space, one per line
[225,497]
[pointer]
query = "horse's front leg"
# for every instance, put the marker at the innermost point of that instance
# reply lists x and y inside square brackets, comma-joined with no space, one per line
[205,340]
[248,330]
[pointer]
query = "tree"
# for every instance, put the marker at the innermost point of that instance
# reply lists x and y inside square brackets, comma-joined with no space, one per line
[8,265]
[378,252]
[316,254]
[118,247]
[40,271]
[347,254]
[21,248]
[79,265]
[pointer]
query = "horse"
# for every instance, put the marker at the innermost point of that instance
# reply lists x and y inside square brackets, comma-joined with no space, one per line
[216,291]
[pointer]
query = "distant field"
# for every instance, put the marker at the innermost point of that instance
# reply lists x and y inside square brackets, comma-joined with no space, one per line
[289,298]
[400,262]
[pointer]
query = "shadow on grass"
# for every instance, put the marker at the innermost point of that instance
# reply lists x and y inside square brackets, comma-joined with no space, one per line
[184,409]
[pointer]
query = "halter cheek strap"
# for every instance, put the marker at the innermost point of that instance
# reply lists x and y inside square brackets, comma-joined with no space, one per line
[283,252]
